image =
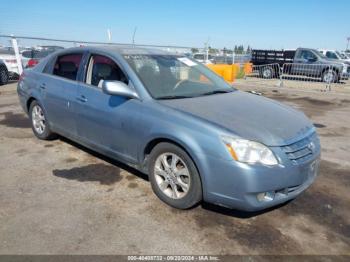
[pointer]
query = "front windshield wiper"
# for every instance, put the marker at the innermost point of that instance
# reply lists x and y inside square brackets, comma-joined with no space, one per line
[216,92]
[172,97]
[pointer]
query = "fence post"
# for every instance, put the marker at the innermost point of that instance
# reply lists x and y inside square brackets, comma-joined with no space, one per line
[281,69]
[18,57]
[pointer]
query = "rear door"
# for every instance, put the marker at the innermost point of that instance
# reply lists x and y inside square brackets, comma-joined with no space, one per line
[61,89]
[105,121]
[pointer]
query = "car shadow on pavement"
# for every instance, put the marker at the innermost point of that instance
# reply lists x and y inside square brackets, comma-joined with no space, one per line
[105,158]
[204,205]
[238,213]
[102,173]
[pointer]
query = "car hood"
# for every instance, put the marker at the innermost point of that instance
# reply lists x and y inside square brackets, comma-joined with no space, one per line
[249,116]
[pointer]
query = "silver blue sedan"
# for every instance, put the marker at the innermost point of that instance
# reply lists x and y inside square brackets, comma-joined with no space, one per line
[196,137]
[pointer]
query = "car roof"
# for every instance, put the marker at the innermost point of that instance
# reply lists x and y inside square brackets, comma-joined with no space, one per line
[122,50]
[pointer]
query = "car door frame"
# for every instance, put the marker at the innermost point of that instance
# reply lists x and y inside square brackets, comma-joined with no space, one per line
[302,66]
[68,104]
[132,159]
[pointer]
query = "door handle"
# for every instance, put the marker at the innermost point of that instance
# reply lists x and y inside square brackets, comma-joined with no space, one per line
[82,99]
[43,86]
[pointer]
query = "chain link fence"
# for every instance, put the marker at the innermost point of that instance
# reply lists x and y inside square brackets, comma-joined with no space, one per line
[20,52]
[326,74]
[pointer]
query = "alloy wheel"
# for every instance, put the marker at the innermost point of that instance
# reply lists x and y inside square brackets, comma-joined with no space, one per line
[172,175]
[38,119]
[328,77]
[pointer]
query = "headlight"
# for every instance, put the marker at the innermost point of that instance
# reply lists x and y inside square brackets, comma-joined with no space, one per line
[249,151]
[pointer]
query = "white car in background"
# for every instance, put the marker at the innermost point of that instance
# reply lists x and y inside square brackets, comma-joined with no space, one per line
[10,61]
[345,55]
[333,54]
[201,58]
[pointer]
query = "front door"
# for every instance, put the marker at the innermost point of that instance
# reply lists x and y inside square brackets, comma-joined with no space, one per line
[305,64]
[104,120]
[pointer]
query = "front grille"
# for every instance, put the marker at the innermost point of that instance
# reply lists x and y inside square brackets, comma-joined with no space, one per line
[301,151]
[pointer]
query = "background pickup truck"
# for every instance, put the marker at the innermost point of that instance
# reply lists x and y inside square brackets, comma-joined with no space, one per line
[303,62]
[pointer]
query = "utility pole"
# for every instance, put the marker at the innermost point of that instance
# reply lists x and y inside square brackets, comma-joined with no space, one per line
[133,36]
[207,50]
[233,55]
[109,34]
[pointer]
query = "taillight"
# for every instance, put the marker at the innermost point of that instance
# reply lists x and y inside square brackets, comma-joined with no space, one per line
[32,62]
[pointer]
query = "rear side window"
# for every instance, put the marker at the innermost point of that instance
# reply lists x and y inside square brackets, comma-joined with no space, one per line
[331,55]
[28,54]
[67,66]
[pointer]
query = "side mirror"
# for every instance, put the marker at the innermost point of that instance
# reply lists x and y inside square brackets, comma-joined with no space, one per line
[117,88]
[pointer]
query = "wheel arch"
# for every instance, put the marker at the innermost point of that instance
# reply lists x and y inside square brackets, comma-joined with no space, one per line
[30,100]
[163,139]
[334,69]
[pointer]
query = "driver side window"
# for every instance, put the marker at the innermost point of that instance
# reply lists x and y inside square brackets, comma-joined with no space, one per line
[102,68]
[308,55]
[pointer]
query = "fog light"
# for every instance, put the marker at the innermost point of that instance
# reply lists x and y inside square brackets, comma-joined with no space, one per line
[266,196]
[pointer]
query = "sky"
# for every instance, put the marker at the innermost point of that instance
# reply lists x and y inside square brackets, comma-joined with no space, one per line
[274,24]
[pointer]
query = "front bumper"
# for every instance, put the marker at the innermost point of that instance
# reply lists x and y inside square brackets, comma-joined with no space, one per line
[237,185]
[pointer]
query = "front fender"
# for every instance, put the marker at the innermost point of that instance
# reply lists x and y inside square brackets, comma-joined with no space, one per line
[190,145]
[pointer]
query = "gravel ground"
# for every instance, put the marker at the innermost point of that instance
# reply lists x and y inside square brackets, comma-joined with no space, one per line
[59,198]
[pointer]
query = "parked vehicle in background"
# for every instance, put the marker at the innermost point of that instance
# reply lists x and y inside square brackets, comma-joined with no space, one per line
[30,58]
[52,48]
[344,55]
[26,55]
[172,118]
[223,60]
[4,74]
[301,62]
[201,58]
[9,58]
[333,54]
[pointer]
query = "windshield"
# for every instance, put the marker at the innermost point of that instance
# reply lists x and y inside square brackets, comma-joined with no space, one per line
[320,54]
[171,76]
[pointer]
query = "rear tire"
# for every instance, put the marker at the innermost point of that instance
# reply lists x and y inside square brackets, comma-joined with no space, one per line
[174,177]
[4,76]
[40,125]
[267,73]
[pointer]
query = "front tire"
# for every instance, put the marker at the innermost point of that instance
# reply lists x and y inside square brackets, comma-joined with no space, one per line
[330,76]
[40,125]
[174,177]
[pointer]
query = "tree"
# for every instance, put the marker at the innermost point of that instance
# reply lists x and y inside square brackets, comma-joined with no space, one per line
[194,50]
[249,49]
[213,50]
